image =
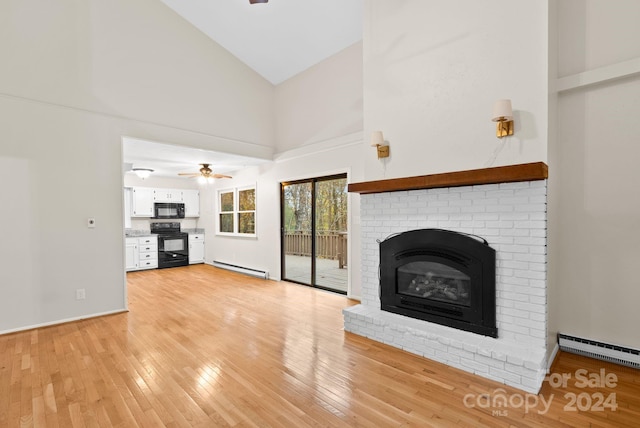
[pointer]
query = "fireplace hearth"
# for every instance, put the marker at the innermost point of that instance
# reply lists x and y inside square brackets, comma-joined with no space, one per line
[440,276]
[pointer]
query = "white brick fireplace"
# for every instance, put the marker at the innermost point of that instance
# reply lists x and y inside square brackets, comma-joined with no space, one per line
[511,216]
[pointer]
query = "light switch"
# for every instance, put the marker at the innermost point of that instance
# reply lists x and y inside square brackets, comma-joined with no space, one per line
[91,222]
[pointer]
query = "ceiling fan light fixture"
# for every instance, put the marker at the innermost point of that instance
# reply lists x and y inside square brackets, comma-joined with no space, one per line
[203,179]
[204,175]
[205,170]
[142,172]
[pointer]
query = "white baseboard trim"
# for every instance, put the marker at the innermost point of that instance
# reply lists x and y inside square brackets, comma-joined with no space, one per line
[62,321]
[552,357]
[263,274]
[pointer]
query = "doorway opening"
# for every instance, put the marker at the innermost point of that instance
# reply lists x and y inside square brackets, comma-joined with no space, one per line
[314,232]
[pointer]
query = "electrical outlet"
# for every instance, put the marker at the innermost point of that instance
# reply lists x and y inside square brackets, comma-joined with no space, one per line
[91,222]
[80,294]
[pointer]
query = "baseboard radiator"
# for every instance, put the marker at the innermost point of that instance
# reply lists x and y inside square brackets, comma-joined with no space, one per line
[247,271]
[599,350]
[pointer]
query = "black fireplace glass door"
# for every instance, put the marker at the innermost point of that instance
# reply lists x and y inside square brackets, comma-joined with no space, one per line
[435,281]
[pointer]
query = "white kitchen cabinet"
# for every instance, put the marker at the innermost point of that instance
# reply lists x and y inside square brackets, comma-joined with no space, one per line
[191,199]
[142,202]
[167,195]
[143,198]
[142,253]
[196,248]
[148,253]
[131,252]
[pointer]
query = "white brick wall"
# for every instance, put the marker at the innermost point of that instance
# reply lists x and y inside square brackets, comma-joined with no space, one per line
[512,218]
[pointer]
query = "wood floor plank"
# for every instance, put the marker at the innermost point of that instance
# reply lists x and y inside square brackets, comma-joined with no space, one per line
[204,347]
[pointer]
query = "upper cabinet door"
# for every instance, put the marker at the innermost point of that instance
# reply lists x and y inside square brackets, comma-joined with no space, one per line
[142,202]
[191,199]
[167,195]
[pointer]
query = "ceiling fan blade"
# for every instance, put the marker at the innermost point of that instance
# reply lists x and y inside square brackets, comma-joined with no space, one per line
[189,174]
[221,176]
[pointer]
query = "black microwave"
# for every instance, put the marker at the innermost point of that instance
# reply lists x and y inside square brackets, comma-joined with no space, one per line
[168,210]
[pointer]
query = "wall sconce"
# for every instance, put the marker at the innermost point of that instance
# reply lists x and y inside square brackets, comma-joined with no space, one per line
[142,172]
[503,115]
[377,141]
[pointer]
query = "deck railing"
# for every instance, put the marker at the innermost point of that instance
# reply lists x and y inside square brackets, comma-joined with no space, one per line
[330,245]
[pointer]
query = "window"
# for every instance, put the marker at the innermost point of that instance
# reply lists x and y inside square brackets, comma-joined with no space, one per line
[247,211]
[237,211]
[226,215]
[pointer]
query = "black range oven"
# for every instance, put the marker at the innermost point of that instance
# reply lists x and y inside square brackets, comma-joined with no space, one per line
[173,245]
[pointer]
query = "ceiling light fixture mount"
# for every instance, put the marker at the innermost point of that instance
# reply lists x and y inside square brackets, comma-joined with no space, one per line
[258,1]
[142,172]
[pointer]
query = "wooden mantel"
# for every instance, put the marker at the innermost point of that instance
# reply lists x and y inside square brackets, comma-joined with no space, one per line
[501,174]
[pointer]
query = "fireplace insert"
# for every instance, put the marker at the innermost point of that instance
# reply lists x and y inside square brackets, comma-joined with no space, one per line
[440,276]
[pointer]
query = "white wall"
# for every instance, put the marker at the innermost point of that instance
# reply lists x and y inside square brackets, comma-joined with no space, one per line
[596,33]
[61,167]
[321,103]
[432,71]
[135,59]
[595,220]
[75,78]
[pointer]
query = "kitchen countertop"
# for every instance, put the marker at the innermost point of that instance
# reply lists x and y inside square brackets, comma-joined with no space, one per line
[134,233]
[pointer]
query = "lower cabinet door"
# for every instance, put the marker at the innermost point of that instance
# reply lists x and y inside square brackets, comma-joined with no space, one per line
[196,252]
[131,251]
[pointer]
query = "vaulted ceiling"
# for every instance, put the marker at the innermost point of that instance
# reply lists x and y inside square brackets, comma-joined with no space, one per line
[278,40]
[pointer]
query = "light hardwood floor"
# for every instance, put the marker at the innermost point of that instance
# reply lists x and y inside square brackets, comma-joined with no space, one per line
[209,348]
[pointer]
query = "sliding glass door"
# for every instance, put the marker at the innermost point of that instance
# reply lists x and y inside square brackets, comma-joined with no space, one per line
[296,229]
[314,232]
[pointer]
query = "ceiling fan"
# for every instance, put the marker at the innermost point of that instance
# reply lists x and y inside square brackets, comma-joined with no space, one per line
[205,174]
